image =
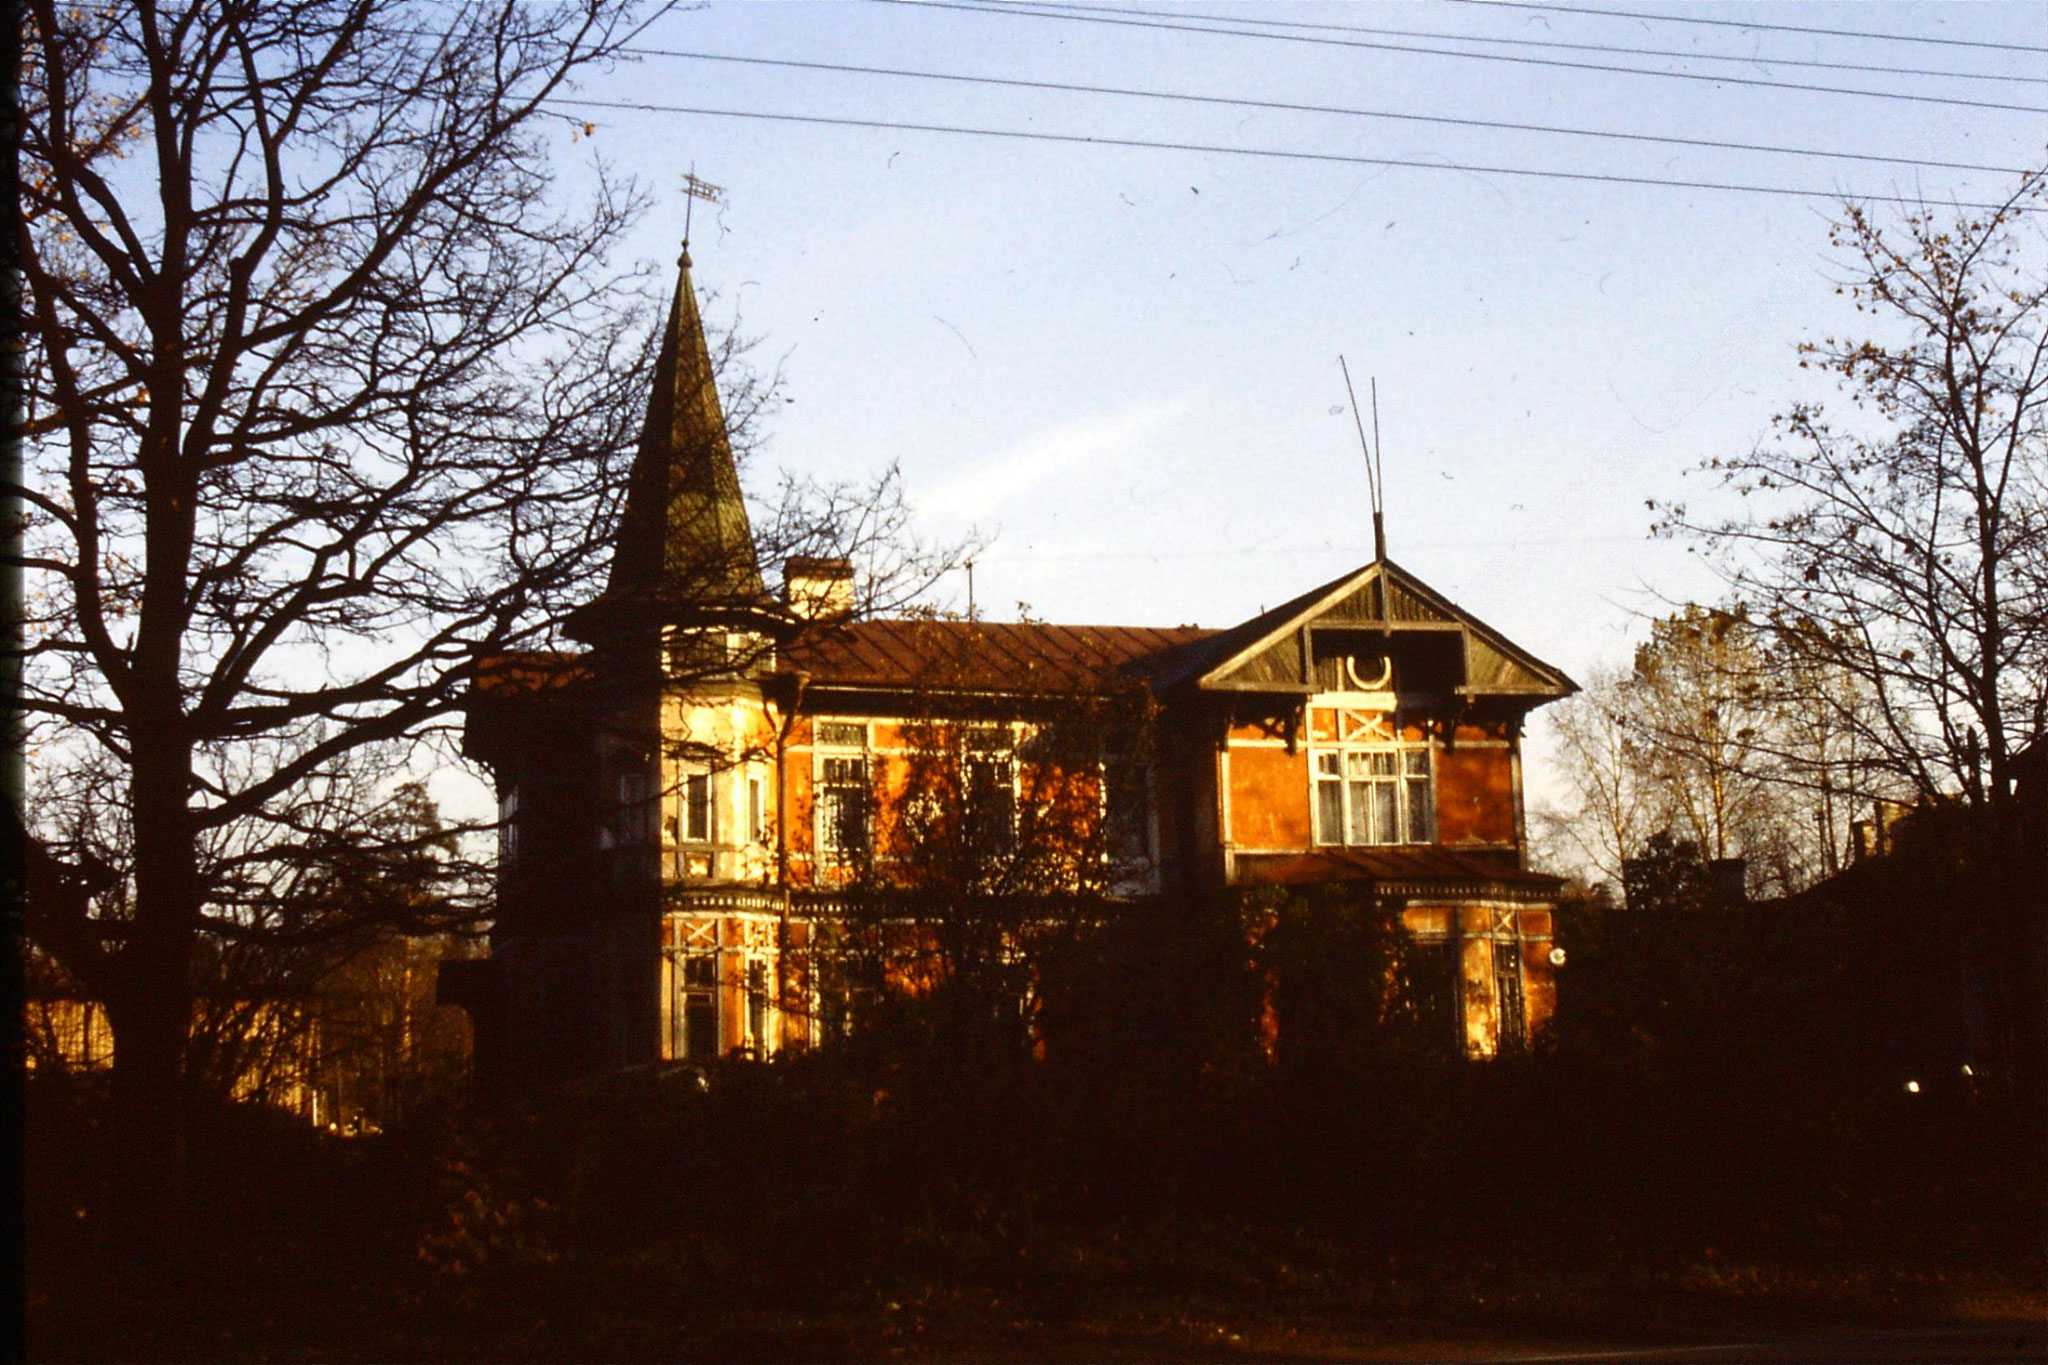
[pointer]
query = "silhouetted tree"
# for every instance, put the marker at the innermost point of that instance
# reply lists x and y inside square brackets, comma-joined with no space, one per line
[327,399]
[1909,553]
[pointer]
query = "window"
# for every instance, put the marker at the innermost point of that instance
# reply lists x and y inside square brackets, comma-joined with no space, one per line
[757,1006]
[989,785]
[843,806]
[696,1013]
[1435,993]
[1507,992]
[633,816]
[696,812]
[1127,800]
[508,827]
[757,814]
[1374,796]
[841,734]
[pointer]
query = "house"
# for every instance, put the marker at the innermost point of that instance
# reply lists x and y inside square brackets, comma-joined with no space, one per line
[685,802]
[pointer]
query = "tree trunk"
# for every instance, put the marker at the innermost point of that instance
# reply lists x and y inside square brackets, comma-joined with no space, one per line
[149,1008]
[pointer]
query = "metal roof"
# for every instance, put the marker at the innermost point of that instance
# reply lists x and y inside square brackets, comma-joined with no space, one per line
[1006,657]
[684,543]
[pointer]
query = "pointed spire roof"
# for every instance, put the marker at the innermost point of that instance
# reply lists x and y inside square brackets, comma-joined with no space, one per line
[685,547]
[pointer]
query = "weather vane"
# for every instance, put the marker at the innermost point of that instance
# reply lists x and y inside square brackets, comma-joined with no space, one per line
[693,190]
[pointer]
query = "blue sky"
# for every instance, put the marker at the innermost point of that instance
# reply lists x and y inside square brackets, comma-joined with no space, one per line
[1122,362]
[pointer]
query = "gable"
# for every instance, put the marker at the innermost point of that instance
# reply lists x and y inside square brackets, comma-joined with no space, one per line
[1300,647]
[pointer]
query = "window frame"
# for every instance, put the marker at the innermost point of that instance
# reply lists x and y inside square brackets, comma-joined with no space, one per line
[635,812]
[689,807]
[1356,778]
[508,828]
[693,995]
[828,821]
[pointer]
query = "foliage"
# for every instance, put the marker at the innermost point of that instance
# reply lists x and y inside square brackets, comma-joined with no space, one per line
[1723,1125]
[1351,989]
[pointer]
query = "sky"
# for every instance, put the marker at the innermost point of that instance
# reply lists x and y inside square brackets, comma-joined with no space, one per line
[1121,363]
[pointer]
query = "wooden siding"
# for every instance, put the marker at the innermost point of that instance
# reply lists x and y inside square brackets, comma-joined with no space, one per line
[1475,797]
[1269,790]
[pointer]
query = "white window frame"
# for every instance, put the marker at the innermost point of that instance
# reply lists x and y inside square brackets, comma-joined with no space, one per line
[687,830]
[994,748]
[1354,779]
[824,830]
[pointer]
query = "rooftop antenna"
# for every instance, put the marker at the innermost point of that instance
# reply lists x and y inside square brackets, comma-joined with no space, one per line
[1372,463]
[693,190]
[970,588]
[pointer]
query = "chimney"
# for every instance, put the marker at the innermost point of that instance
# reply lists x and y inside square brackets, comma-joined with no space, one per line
[1729,879]
[818,589]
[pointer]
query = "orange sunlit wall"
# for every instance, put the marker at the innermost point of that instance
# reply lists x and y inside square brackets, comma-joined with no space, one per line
[1270,792]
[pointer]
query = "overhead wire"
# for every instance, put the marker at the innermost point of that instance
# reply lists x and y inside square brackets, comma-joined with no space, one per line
[1026,552]
[1027,11]
[1269,153]
[1598,13]
[1736,58]
[1286,106]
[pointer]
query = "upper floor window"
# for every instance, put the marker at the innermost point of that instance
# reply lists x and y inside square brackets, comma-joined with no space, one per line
[1127,810]
[841,783]
[633,813]
[696,822]
[843,805]
[988,791]
[1374,796]
[508,827]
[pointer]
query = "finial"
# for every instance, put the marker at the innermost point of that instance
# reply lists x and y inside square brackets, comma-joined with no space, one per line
[683,259]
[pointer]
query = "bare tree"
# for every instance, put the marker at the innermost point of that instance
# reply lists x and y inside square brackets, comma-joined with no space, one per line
[1610,808]
[327,398]
[1911,552]
[1908,552]
[1721,736]
[995,842]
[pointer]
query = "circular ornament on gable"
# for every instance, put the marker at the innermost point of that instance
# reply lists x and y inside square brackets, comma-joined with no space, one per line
[1378,674]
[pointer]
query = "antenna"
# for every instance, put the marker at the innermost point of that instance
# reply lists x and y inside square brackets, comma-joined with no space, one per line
[970,589]
[1372,471]
[1379,477]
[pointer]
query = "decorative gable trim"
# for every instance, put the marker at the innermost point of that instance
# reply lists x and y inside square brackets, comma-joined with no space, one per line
[1382,596]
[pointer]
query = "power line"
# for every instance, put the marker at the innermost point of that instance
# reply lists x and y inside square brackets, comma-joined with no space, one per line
[1017,11]
[1290,107]
[998,553]
[1742,23]
[1271,153]
[1752,60]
